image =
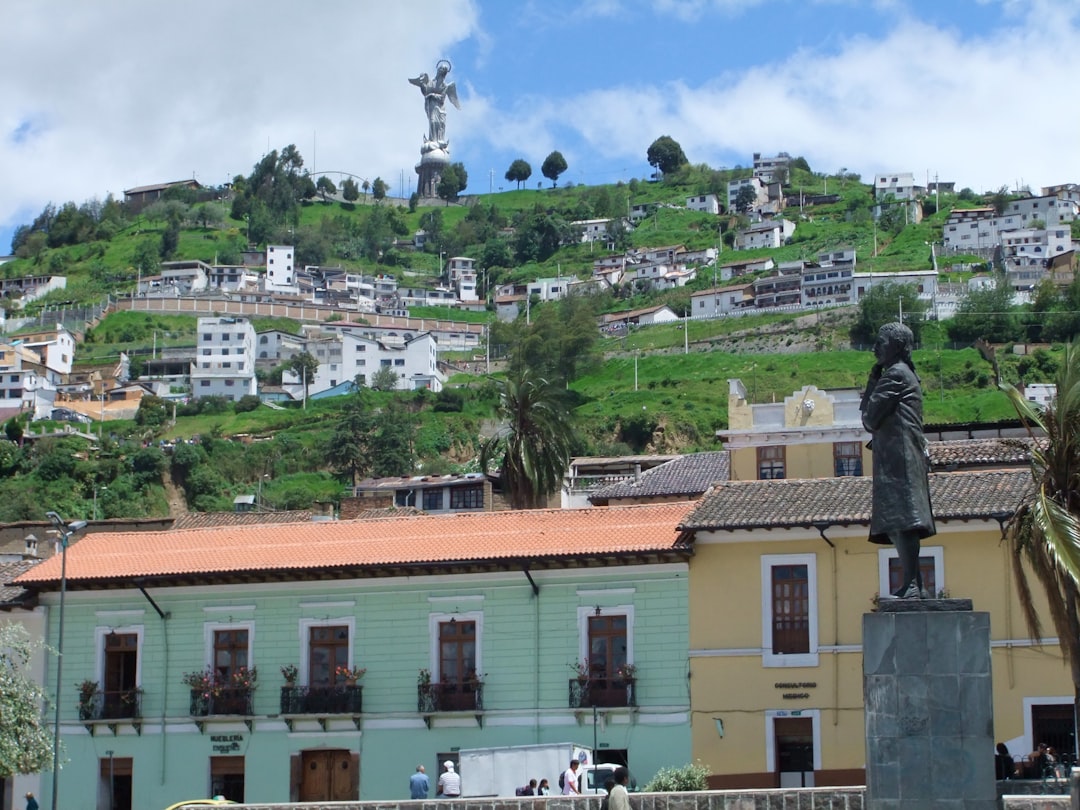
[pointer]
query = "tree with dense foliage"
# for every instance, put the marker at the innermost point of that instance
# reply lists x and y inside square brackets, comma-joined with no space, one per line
[391,448]
[745,199]
[554,165]
[452,181]
[385,379]
[26,742]
[666,154]
[519,172]
[379,189]
[347,449]
[1044,533]
[986,313]
[350,192]
[325,186]
[883,303]
[535,443]
[304,365]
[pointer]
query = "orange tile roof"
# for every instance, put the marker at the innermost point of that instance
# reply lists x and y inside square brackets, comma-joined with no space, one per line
[390,545]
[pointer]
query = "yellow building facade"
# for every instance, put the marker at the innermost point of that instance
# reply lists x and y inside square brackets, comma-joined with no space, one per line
[781,576]
[811,434]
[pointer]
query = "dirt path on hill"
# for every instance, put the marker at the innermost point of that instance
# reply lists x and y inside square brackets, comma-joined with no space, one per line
[175,496]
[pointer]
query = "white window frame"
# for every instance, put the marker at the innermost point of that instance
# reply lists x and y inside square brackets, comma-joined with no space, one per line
[209,628]
[435,619]
[889,553]
[583,614]
[99,643]
[768,658]
[771,765]
[305,637]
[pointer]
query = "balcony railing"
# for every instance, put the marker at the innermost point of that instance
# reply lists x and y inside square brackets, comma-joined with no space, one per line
[339,699]
[223,700]
[449,697]
[123,704]
[602,693]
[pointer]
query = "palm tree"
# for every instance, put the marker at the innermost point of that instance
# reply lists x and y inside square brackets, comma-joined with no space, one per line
[534,446]
[1044,532]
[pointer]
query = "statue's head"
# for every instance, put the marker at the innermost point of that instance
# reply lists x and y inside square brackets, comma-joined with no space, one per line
[442,68]
[894,342]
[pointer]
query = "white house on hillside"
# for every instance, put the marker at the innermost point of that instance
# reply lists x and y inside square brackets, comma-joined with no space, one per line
[706,203]
[770,234]
[461,272]
[720,300]
[760,188]
[768,168]
[281,269]
[347,357]
[224,359]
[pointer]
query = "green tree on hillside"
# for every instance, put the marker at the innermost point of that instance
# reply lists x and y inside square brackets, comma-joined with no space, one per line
[883,303]
[350,191]
[987,313]
[535,443]
[385,379]
[666,154]
[745,199]
[378,190]
[26,742]
[554,165]
[391,443]
[519,172]
[325,186]
[1043,534]
[304,366]
[453,180]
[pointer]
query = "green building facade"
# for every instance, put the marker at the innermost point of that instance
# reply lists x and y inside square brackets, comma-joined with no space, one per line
[503,645]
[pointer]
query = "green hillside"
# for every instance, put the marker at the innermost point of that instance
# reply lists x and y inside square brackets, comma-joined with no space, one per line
[657,389]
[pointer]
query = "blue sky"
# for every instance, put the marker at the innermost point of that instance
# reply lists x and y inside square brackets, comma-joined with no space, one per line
[99,97]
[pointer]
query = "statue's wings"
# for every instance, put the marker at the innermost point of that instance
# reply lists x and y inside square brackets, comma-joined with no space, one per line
[451,93]
[421,81]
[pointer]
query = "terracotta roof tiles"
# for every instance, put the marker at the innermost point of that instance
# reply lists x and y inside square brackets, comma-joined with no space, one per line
[397,544]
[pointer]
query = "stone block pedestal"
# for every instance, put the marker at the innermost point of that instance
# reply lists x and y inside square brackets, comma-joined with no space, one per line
[929,706]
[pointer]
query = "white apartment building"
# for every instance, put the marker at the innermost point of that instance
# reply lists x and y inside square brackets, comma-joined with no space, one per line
[1026,253]
[766,168]
[760,187]
[771,234]
[706,203]
[25,384]
[720,300]
[548,289]
[224,359]
[55,347]
[828,284]
[347,357]
[461,271]
[925,283]
[1050,210]
[901,185]
[281,269]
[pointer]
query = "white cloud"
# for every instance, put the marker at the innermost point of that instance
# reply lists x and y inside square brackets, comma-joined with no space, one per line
[109,95]
[982,111]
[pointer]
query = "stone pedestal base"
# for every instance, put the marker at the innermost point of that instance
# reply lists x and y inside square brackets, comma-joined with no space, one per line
[929,707]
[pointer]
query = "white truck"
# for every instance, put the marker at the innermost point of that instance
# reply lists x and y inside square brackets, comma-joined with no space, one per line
[501,771]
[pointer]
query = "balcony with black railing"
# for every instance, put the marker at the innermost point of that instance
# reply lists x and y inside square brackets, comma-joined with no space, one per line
[603,693]
[122,704]
[467,696]
[322,700]
[236,700]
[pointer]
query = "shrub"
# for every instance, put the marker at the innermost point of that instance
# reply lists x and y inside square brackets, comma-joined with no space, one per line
[248,402]
[679,780]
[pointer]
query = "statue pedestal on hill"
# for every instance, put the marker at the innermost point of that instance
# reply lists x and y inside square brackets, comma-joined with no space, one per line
[434,151]
[929,706]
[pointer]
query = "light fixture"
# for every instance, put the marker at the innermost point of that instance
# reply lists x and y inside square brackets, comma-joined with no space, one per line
[65,530]
[597,610]
[719,726]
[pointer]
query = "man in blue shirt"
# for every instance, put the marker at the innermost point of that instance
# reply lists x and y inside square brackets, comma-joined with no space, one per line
[418,784]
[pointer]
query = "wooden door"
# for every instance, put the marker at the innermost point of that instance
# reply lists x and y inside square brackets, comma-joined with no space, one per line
[329,776]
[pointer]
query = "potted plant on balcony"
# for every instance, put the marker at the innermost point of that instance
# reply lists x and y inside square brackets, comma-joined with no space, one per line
[204,688]
[581,670]
[626,673]
[425,692]
[290,673]
[350,674]
[88,693]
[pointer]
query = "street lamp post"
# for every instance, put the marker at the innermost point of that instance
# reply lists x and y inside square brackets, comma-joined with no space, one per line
[65,530]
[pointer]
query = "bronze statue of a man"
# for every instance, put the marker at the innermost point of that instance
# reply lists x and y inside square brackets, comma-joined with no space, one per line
[892,412]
